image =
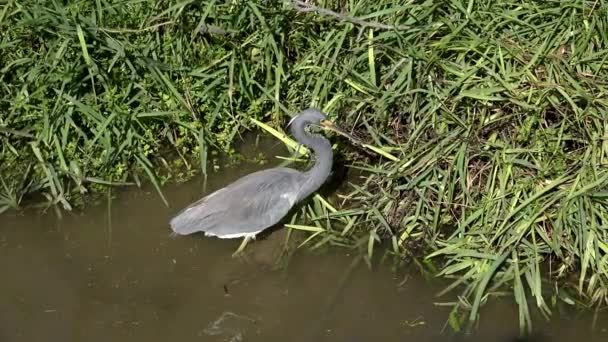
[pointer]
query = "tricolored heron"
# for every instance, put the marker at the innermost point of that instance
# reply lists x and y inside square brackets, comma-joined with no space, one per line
[261,199]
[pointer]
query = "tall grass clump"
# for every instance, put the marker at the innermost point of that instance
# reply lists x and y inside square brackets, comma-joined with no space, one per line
[484,124]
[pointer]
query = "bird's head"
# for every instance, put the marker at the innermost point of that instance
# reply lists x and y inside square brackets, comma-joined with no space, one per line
[315,117]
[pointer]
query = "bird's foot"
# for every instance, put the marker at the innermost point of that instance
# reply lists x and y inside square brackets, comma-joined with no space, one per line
[239,251]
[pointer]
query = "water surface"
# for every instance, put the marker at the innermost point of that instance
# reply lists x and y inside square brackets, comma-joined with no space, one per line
[115,274]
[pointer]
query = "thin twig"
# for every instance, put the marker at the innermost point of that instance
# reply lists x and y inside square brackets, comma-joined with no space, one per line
[304,7]
[126,30]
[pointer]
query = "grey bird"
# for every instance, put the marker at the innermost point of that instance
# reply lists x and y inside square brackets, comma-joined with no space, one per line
[261,199]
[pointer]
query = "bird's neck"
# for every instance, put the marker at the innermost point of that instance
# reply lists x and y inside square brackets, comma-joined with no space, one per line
[322,154]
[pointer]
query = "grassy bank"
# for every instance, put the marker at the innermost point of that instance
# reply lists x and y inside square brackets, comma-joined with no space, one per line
[490,120]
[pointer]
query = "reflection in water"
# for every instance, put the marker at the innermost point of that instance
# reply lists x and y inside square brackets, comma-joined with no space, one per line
[117,275]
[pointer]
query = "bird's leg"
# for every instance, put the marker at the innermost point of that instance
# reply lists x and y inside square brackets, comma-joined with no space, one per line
[242,246]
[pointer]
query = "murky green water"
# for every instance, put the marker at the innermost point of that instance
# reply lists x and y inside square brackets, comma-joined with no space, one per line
[115,274]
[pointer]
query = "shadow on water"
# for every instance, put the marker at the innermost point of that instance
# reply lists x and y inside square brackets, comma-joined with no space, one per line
[115,274]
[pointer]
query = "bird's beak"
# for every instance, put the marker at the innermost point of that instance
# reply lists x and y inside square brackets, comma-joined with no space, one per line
[326,124]
[329,125]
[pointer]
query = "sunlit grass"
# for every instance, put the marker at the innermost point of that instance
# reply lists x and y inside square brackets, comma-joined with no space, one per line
[483,125]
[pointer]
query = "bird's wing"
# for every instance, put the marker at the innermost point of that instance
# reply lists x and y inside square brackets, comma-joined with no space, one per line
[251,204]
